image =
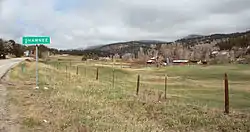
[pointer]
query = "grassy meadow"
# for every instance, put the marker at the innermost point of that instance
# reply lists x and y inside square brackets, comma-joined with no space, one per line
[70,102]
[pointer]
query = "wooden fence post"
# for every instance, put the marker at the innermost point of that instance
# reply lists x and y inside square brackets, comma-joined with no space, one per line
[66,71]
[85,68]
[165,95]
[76,70]
[113,80]
[138,85]
[69,77]
[97,73]
[226,95]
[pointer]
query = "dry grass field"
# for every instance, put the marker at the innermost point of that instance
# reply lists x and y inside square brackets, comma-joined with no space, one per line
[70,102]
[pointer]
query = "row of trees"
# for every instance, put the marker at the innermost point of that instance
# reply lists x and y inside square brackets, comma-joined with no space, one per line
[10,47]
[241,41]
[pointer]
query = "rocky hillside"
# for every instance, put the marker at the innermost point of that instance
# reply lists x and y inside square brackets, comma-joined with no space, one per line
[214,38]
[215,47]
[192,36]
[122,48]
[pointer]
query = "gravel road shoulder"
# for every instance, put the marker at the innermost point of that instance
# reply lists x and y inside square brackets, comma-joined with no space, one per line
[8,114]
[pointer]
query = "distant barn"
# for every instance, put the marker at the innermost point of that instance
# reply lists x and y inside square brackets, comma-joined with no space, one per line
[151,60]
[180,62]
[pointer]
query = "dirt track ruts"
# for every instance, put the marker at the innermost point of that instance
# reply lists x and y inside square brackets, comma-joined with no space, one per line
[7,123]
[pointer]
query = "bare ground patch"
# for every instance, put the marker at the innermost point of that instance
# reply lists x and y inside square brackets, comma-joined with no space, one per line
[8,112]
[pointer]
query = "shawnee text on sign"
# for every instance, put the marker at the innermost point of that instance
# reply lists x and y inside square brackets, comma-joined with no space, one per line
[36,40]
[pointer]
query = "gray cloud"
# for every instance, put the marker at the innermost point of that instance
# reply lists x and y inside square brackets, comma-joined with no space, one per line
[82,23]
[229,6]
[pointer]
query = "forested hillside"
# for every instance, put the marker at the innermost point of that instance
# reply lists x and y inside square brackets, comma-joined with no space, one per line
[215,47]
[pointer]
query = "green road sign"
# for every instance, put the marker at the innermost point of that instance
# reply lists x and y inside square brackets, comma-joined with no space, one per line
[36,40]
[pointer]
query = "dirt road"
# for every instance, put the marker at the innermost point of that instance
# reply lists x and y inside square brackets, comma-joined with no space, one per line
[5,122]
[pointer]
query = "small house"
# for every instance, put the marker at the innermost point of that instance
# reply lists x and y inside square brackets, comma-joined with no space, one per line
[180,62]
[104,58]
[27,53]
[202,62]
[151,60]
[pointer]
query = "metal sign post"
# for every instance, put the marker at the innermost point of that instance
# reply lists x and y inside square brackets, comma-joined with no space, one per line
[37,87]
[31,40]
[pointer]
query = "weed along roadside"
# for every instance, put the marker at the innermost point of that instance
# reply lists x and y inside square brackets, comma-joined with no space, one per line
[75,95]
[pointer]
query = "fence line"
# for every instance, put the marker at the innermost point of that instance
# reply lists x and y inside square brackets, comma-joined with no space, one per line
[76,76]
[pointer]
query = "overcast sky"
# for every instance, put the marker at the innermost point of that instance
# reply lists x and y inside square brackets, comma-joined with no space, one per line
[82,23]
